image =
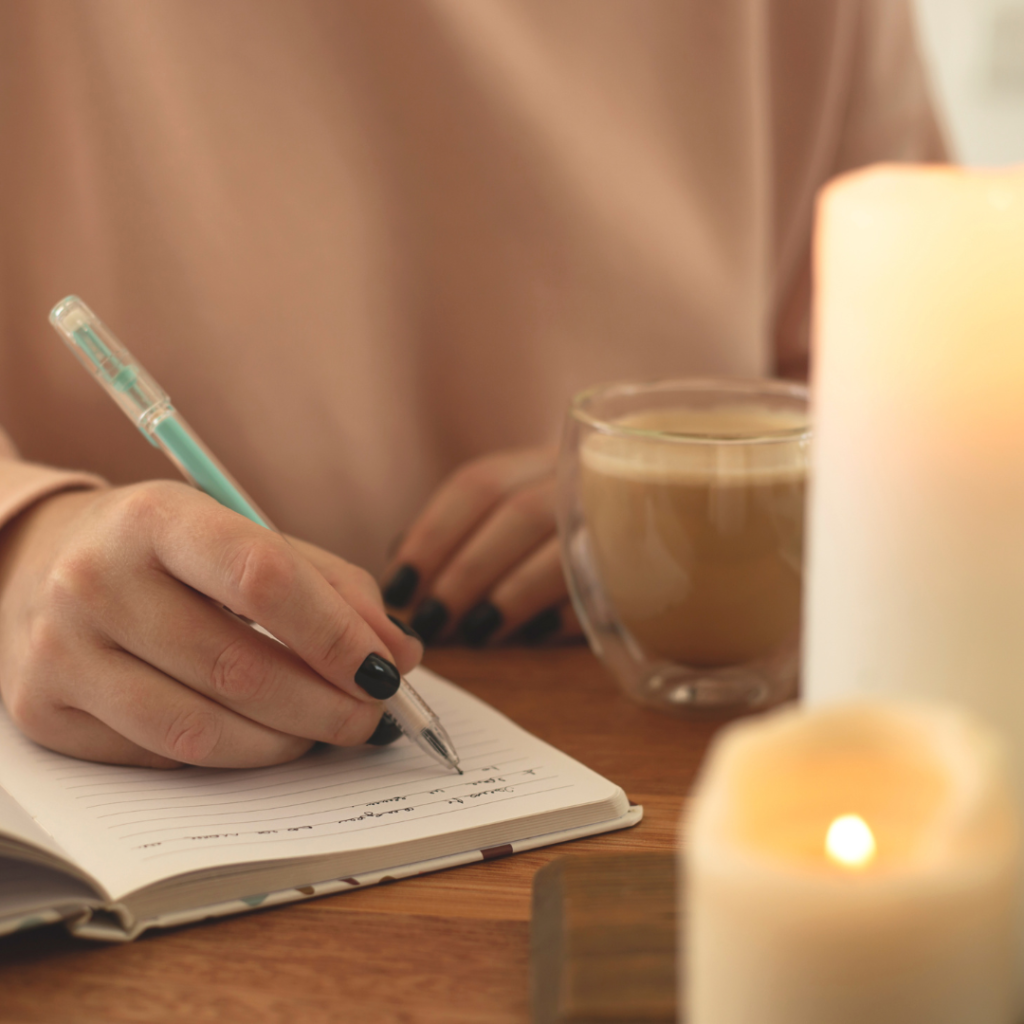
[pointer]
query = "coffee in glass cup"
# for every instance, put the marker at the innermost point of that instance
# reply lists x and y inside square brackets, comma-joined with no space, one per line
[681,510]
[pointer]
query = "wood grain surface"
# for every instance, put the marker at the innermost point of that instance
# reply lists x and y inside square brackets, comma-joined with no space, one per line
[603,940]
[450,947]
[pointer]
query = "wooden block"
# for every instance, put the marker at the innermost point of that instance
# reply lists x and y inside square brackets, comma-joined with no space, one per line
[603,940]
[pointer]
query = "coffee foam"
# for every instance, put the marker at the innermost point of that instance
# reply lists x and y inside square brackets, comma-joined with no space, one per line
[693,456]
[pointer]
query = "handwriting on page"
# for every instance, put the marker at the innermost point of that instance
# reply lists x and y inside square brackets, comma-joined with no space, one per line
[355,816]
[328,793]
[132,827]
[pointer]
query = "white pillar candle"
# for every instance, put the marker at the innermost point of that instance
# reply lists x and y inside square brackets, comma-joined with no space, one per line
[851,865]
[916,542]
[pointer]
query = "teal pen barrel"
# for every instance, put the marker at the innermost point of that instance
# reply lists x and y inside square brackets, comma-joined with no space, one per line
[203,470]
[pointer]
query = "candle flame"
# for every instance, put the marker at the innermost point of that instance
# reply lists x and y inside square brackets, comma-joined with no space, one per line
[850,843]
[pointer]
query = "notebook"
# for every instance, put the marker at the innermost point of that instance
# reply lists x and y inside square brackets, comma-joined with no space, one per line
[114,851]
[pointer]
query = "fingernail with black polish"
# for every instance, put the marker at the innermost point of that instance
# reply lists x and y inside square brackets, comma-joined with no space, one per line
[387,731]
[479,624]
[541,626]
[398,593]
[430,619]
[379,678]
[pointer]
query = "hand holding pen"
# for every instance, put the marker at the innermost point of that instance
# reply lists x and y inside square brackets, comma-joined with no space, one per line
[114,647]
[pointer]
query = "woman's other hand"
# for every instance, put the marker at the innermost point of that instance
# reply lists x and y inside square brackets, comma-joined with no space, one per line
[481,563]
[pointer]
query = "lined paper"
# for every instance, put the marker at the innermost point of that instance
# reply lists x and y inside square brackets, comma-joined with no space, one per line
[16,822]
[131,827]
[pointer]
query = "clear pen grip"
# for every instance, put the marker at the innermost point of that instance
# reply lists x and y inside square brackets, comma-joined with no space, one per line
[409,711]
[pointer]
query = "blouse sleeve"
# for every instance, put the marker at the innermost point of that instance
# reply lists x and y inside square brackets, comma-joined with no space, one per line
[24,483]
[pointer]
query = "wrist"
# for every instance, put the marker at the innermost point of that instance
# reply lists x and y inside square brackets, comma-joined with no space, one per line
[48,514]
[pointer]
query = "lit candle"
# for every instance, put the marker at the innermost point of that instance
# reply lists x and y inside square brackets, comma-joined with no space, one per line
[916,541]
[852,865]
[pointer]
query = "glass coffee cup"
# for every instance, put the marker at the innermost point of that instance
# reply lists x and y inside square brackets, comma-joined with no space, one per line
[681,517]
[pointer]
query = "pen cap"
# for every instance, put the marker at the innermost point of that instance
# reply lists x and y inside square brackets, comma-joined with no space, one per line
[96,347]
[147,405]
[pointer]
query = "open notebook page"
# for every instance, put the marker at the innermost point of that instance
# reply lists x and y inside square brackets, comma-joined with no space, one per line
[132,827]
[17,823]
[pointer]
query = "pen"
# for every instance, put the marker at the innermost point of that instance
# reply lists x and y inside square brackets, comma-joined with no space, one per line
[149,407]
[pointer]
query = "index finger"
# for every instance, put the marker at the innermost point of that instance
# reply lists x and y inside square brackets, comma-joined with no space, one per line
[256,573]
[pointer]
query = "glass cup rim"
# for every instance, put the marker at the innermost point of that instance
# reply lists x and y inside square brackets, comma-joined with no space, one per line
[730,385]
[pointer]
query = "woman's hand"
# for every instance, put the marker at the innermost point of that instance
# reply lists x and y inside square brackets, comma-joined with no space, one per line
[115,646]
[482,560]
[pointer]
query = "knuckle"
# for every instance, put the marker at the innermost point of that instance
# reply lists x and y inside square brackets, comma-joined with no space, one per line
[261,574]
[138,509]
[44,640]
[192,736]
[31,701]
[240,671]
[78,576]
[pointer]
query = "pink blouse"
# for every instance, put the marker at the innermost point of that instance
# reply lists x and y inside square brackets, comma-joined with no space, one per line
[361,241]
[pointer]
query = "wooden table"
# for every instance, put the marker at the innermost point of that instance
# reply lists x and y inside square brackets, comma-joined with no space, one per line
[449,947]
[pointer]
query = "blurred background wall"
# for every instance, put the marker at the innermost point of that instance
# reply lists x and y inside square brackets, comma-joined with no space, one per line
[976,52]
